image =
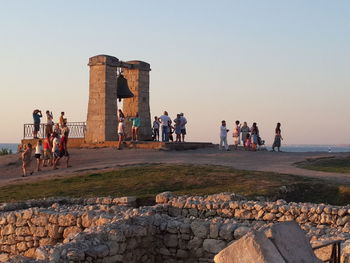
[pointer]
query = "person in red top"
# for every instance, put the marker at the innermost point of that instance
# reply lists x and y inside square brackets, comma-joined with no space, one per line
[47,151]
[63,151]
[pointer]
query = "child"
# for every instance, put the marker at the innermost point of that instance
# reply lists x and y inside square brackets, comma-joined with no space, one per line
[156,129]
[223,136]
[247,143]
[171,131]
[27,159]
[39,154]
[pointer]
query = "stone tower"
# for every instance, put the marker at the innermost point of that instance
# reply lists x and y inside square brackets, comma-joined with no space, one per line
[138,81]
[102,119]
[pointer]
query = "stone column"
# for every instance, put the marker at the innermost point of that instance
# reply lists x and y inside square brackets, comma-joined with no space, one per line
[138,81]
[102,107]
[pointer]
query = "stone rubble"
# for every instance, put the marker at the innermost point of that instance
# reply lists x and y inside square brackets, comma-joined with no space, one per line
[178,229]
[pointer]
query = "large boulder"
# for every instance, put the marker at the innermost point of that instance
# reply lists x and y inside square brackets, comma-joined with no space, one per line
[253,247]
[291,242]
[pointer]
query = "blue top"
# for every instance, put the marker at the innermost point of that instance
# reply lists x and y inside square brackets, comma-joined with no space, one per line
[36,117]
[136,122]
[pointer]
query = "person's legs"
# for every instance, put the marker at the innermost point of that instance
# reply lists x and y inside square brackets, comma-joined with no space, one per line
[24,168]
[67,160]
[167,134]
[133,138]
[120,139]
[221,142]
[38,164]
[137,133]
[225,143]
[163,133]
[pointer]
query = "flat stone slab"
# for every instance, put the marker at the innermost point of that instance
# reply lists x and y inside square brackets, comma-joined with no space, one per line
[253,247]
[290,240]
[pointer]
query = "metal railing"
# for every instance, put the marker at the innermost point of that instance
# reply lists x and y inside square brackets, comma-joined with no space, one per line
[336,250]
[76,130]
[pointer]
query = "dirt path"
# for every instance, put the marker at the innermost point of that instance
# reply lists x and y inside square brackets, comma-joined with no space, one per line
[87,160]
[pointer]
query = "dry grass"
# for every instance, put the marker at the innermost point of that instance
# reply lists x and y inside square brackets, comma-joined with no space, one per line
[149,180]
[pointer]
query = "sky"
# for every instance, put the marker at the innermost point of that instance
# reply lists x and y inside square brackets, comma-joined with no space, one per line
[255,61]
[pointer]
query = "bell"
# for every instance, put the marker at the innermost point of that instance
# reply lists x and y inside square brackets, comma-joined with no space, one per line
[123,90]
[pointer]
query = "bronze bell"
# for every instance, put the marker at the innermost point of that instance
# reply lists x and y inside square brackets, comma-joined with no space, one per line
[123,90]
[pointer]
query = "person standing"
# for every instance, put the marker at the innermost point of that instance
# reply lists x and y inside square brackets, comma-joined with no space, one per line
[121,128]
[49,123]
[236,134]
[278,138]
[61,120]
[183,126]
[47,151]
[63,150]
[136,123]
[255,136]
[178,126]
[223,136]
[36,117]
[55,150]
[27,159]
[165,121]
[39,154]
[245,131]
[156,129]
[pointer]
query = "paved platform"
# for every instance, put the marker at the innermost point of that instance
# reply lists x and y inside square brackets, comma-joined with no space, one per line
[79,143]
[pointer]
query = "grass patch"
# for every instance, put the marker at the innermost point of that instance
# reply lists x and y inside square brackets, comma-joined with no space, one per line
[329,164]
[148,180]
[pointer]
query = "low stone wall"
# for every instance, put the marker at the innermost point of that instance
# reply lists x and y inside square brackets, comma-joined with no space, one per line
[228,205]
[177,229]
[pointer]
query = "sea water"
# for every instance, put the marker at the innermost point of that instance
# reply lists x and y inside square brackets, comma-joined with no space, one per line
[9,146]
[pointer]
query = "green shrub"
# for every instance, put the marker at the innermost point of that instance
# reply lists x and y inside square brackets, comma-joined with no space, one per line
[5,151]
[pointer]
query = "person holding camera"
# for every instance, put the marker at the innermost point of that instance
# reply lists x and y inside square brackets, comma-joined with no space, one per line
[36,117]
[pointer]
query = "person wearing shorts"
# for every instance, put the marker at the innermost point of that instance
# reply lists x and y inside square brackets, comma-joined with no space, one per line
[183,126]
[156,129]
[47,151]
[39,154]
[27,159]
[36,117]
[55,150]
[136,123]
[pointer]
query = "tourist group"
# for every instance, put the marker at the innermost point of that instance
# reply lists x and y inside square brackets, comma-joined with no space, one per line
[250,137]
[163,123]
[49,151]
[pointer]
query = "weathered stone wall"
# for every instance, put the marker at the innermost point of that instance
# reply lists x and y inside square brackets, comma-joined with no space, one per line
[178,229]
[234,206]
[138,81]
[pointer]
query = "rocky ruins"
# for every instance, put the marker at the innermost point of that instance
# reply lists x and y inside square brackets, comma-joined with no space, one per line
[177,229]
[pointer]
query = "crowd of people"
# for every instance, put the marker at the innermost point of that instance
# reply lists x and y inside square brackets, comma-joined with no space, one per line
[48,151]
[248,137]
[167,127]
[162,126]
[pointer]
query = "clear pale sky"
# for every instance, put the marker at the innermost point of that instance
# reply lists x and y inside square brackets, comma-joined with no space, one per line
[263,61]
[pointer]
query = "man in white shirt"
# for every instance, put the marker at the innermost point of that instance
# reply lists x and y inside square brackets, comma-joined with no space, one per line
[183,126]
[165,121]
[223,136]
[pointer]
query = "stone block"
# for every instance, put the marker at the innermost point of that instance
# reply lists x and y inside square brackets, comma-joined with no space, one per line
[253,247]
[291,242]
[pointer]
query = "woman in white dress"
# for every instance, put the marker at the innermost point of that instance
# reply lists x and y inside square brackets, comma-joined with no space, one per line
[121,128]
